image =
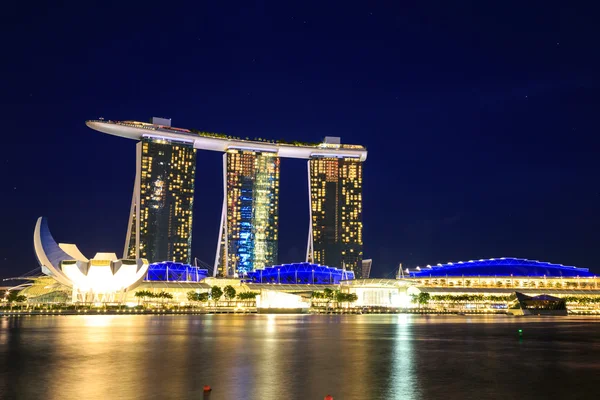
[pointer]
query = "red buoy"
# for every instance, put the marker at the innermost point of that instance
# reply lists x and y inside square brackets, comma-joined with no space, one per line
[328,397]
[207,388]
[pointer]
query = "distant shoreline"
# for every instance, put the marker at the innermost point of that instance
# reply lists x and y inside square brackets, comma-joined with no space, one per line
[19,313]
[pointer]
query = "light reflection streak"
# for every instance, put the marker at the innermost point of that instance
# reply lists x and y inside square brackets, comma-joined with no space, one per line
[403,382]
[98,321]
[270,368]
[271,328]
[3,331]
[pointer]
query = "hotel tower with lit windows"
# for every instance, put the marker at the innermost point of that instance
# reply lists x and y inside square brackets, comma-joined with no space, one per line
[335,233]
[160,225]
[160,222]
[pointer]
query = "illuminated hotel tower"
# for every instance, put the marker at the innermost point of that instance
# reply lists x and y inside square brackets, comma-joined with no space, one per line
[160,226]
[248,234]
[160,223]
[335,234]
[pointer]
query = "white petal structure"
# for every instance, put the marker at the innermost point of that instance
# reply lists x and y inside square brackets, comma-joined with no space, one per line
[100,279]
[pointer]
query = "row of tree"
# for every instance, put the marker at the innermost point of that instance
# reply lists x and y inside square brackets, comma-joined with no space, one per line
[330,295]
[215,293]
[226,136]
[457,298]
[147,294]
[424,298]
[15,297]
[582,299]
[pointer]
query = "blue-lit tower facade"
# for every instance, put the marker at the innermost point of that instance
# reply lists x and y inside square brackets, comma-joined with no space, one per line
[249,224]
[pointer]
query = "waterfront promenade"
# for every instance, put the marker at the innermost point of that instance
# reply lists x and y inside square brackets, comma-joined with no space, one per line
[237,311]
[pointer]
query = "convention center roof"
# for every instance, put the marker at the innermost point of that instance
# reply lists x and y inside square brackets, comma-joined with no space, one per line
[505,266]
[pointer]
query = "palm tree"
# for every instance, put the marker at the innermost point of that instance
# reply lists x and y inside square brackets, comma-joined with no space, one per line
[140,294]
[15,297]
[145,294]
[164,295]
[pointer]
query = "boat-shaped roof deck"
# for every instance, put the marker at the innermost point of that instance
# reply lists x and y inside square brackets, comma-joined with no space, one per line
[220,142]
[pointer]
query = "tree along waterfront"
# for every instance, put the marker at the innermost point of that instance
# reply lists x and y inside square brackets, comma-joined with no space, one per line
[228,297]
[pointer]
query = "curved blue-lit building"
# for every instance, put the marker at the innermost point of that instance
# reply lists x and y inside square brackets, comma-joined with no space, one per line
[505,266]
[300,273]
[169,271]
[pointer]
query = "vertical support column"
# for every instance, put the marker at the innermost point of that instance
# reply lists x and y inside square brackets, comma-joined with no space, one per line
[138,177]
[131,221]
[222,250]
[134,213]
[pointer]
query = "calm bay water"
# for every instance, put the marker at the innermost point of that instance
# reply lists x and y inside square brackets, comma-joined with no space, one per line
[298,357]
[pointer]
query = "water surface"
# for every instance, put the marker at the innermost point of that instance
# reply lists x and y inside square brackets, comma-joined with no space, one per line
[298,357]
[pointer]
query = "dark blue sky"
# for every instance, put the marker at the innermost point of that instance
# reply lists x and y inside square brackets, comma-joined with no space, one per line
[481,122]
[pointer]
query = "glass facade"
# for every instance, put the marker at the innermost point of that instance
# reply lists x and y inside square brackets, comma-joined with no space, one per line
[160,227]
[248,239]
[300,273]
[336,213]
[168,271]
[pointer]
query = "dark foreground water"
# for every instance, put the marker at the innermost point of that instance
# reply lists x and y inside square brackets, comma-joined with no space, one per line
[299,357]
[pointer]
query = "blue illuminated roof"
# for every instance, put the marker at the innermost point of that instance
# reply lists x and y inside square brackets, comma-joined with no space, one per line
[506,266]
[300,273]
[169,271]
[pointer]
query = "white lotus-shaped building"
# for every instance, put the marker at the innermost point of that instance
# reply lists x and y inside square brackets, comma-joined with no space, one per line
[104,278]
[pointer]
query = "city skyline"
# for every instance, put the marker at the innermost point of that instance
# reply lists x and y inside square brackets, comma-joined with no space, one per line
[311,200]
[479,124]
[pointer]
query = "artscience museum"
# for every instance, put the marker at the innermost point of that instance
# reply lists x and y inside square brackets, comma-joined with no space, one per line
[104,278]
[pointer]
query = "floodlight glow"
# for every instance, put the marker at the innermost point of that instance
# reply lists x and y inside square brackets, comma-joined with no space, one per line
[96,280]
[273,299]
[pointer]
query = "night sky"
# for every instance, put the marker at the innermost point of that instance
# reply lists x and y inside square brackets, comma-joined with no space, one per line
[481,123]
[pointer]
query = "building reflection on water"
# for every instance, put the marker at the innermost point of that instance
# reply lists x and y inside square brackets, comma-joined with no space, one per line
[294,357]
